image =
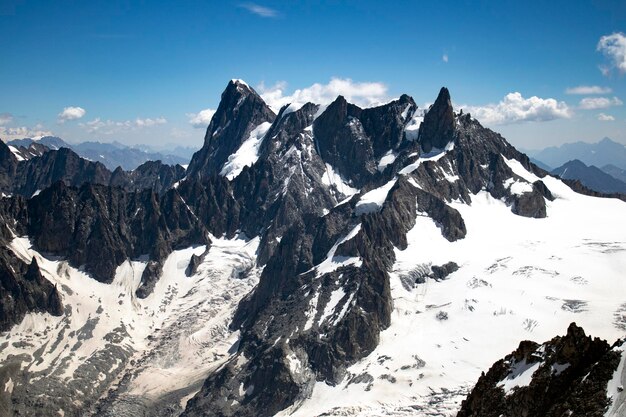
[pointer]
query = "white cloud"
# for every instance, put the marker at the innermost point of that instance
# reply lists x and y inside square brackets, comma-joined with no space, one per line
[444,58]
[109,127]
[10,133]
[588,89]
[5,118]
[592,103]
[605,117]
[201,119]
[363,94]
[259,10]
[71,113]
[516,109]
[150,122]
[614,48]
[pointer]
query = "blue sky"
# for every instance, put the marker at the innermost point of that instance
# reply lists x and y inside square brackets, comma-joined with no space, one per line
[142,72]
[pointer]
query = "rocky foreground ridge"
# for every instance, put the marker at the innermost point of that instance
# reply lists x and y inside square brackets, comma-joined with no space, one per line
[567,375]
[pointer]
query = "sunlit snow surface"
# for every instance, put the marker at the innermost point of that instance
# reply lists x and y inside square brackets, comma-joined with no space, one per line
[247,154]
[167,342]
[519,278]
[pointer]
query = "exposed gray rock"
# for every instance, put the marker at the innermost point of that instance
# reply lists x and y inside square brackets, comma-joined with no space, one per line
[571,379]
[23,290]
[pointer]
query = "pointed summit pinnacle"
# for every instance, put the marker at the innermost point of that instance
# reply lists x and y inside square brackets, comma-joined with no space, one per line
[240,111]
[437,129]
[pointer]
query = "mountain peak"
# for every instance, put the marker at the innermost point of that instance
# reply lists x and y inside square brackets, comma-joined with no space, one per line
[241,110]
[238,81]
[437,129]
[238,88]
[443,97]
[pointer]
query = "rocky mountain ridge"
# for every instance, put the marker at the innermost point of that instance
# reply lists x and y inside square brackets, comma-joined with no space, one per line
[331,195]
[111,155]
[28,176]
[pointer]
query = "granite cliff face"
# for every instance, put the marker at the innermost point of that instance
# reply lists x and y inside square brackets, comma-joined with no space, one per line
[328,196]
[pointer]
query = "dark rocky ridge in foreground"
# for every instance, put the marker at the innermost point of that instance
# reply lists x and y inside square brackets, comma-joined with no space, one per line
[570,379]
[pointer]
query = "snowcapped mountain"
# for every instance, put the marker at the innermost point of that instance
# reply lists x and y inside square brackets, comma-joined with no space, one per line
[326,260]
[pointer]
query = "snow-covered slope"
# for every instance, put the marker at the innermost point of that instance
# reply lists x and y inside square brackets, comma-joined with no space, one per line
[114,352]
[519,278]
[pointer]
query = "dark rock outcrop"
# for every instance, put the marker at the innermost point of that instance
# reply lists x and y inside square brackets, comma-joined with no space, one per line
[440,272]
[569,377]
[32,150]
[64,165]
[99,227]
[23,290]
[352,140]
[8,167]
[42,169]
[152,175]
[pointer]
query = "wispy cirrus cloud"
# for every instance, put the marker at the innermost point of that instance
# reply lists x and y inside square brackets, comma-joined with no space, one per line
[593,103]
[259,10]
[613,46]
[363,94]
[201,119]
[71,113]
[588,90]
[514,108]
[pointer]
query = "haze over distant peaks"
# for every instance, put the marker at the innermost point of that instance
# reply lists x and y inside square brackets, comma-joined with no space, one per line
[601,153]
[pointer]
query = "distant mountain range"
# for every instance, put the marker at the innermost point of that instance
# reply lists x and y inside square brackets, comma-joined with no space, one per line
[590,176]
[111,155]
[599,166]
[599,154]
[615,172]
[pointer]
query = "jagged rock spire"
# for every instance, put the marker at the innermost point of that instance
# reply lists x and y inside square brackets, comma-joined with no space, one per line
[437,129]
